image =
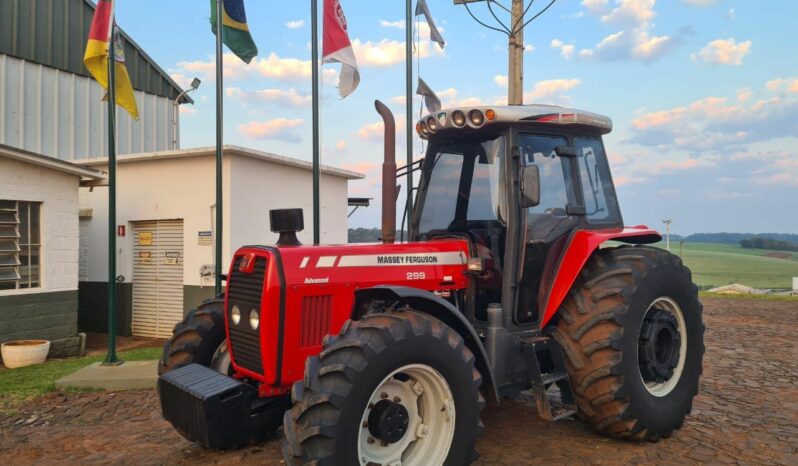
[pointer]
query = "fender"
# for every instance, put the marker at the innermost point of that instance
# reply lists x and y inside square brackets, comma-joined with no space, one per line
[578,250]
[429,303]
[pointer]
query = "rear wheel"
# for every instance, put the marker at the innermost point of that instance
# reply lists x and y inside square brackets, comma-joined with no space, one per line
[392,388]
[632,333]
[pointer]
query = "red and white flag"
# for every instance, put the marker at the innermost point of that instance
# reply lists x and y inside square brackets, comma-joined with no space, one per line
[338,48]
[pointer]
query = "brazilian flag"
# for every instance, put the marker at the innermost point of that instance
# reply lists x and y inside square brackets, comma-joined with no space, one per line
[235,31]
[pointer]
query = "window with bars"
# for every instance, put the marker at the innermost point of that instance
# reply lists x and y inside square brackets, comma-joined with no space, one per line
[20,244]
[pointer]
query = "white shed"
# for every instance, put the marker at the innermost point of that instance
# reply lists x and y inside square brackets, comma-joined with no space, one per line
[165,217]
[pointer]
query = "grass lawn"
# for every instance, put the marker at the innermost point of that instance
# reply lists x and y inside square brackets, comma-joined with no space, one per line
[25,383]
[722,264]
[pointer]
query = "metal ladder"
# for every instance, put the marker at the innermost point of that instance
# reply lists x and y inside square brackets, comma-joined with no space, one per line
[546,366]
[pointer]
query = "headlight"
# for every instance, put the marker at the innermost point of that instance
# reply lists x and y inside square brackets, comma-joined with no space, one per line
[235,315]
[423,129]
[432,124]
[254,319]
[458,118]
[476,117]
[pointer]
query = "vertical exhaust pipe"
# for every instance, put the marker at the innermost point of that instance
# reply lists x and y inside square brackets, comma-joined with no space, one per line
[389,191]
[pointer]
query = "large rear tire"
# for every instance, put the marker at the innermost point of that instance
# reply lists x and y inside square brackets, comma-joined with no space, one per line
[632,332]
[392,388]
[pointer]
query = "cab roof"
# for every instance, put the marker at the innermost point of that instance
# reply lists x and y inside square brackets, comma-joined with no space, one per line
[475,118]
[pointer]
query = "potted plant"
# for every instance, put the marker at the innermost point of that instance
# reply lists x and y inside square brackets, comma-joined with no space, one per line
[21,353]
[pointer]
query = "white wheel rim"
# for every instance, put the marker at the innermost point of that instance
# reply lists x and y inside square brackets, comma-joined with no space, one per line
[661,389]
[221,359]
[428,400]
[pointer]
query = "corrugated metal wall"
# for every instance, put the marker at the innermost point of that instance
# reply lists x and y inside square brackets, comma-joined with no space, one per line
[61,114]
[54,33]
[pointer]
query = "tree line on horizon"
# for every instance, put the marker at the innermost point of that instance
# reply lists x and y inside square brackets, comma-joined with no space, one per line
[781,241]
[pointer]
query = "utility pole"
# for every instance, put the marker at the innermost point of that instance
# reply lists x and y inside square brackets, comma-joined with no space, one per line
[668,233]
[515,32]
[515,95]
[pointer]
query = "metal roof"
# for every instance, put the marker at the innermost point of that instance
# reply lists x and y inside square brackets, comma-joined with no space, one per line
[227,150]
[54,33]
[49,162]
[505,114]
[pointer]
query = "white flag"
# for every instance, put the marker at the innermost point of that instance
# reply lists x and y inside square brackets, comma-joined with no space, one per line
[434,34]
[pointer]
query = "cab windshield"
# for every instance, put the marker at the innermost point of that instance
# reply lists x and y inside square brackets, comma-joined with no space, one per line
[461,186]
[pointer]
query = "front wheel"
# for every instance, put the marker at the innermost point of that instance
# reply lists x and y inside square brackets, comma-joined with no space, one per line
[632,333]
[392,388]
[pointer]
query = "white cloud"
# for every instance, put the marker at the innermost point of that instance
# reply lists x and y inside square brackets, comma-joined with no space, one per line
[744,94]
[731,15]
[529,48]
[566,50]
[630,12]
[716,125]
[723,52]
[188,110]
[273,66]
[389,52]
[546,90]
[782,84]
[279,128]
[400,24]
[596,6]
[295,24]
[500,80]
[290,97]
[635,41]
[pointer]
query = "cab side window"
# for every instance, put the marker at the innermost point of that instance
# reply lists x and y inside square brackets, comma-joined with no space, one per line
[540,150]
[600,203]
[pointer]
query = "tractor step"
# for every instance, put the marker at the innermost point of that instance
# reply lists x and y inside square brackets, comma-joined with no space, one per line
[551,384]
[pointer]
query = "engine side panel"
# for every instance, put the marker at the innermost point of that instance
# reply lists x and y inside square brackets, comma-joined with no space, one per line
[321,283]
[578,251]
[309,292]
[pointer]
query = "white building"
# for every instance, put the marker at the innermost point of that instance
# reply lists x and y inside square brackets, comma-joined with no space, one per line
[165,204]
[39,248]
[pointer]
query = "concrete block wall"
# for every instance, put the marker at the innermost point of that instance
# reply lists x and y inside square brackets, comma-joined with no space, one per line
[49,311]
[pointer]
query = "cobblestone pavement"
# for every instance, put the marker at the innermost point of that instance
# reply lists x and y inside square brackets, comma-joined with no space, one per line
[746,413]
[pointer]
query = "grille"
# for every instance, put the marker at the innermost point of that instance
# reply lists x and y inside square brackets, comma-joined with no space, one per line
[245,290]
[316,319]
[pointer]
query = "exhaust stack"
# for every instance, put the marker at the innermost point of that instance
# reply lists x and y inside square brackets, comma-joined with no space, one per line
[389,191]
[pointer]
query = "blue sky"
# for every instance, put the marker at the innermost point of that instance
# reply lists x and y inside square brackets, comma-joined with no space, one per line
[703,93]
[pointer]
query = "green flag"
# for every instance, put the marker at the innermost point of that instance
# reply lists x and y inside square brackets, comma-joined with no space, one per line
[235,31]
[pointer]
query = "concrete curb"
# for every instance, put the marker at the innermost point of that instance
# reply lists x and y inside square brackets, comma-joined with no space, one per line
[132,375]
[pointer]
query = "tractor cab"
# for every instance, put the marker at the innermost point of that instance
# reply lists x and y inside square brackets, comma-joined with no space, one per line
[516,182]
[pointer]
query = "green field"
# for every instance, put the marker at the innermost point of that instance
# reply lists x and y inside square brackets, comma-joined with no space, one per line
[722,264]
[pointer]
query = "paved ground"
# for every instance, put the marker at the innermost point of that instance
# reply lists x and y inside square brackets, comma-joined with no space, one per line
[747,413]
[97,343]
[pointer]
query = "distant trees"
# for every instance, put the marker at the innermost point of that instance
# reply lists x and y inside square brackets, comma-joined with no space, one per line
[369,235]
[736,238]
[760,242]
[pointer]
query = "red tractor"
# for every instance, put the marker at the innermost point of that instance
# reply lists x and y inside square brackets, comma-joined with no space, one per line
[384,354]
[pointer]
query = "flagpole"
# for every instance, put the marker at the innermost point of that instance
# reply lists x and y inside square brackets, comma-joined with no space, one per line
[111,358]
[314,24]
[219,141]
[409,107]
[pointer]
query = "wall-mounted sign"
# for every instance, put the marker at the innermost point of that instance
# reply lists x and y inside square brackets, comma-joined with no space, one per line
[171,258]
[144,257]
[145,238]
[204,238]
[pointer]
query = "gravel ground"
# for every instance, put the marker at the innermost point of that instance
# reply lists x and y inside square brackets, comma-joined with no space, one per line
[746,413]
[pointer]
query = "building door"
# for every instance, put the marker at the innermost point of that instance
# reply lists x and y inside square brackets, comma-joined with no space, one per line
[157,277]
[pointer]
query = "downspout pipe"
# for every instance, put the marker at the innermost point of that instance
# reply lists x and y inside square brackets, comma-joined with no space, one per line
[389,191]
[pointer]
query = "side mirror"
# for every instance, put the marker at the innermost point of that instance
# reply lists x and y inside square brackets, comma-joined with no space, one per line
[530,186]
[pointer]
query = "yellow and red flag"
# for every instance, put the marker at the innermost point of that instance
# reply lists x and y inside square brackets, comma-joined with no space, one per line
[97,55]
